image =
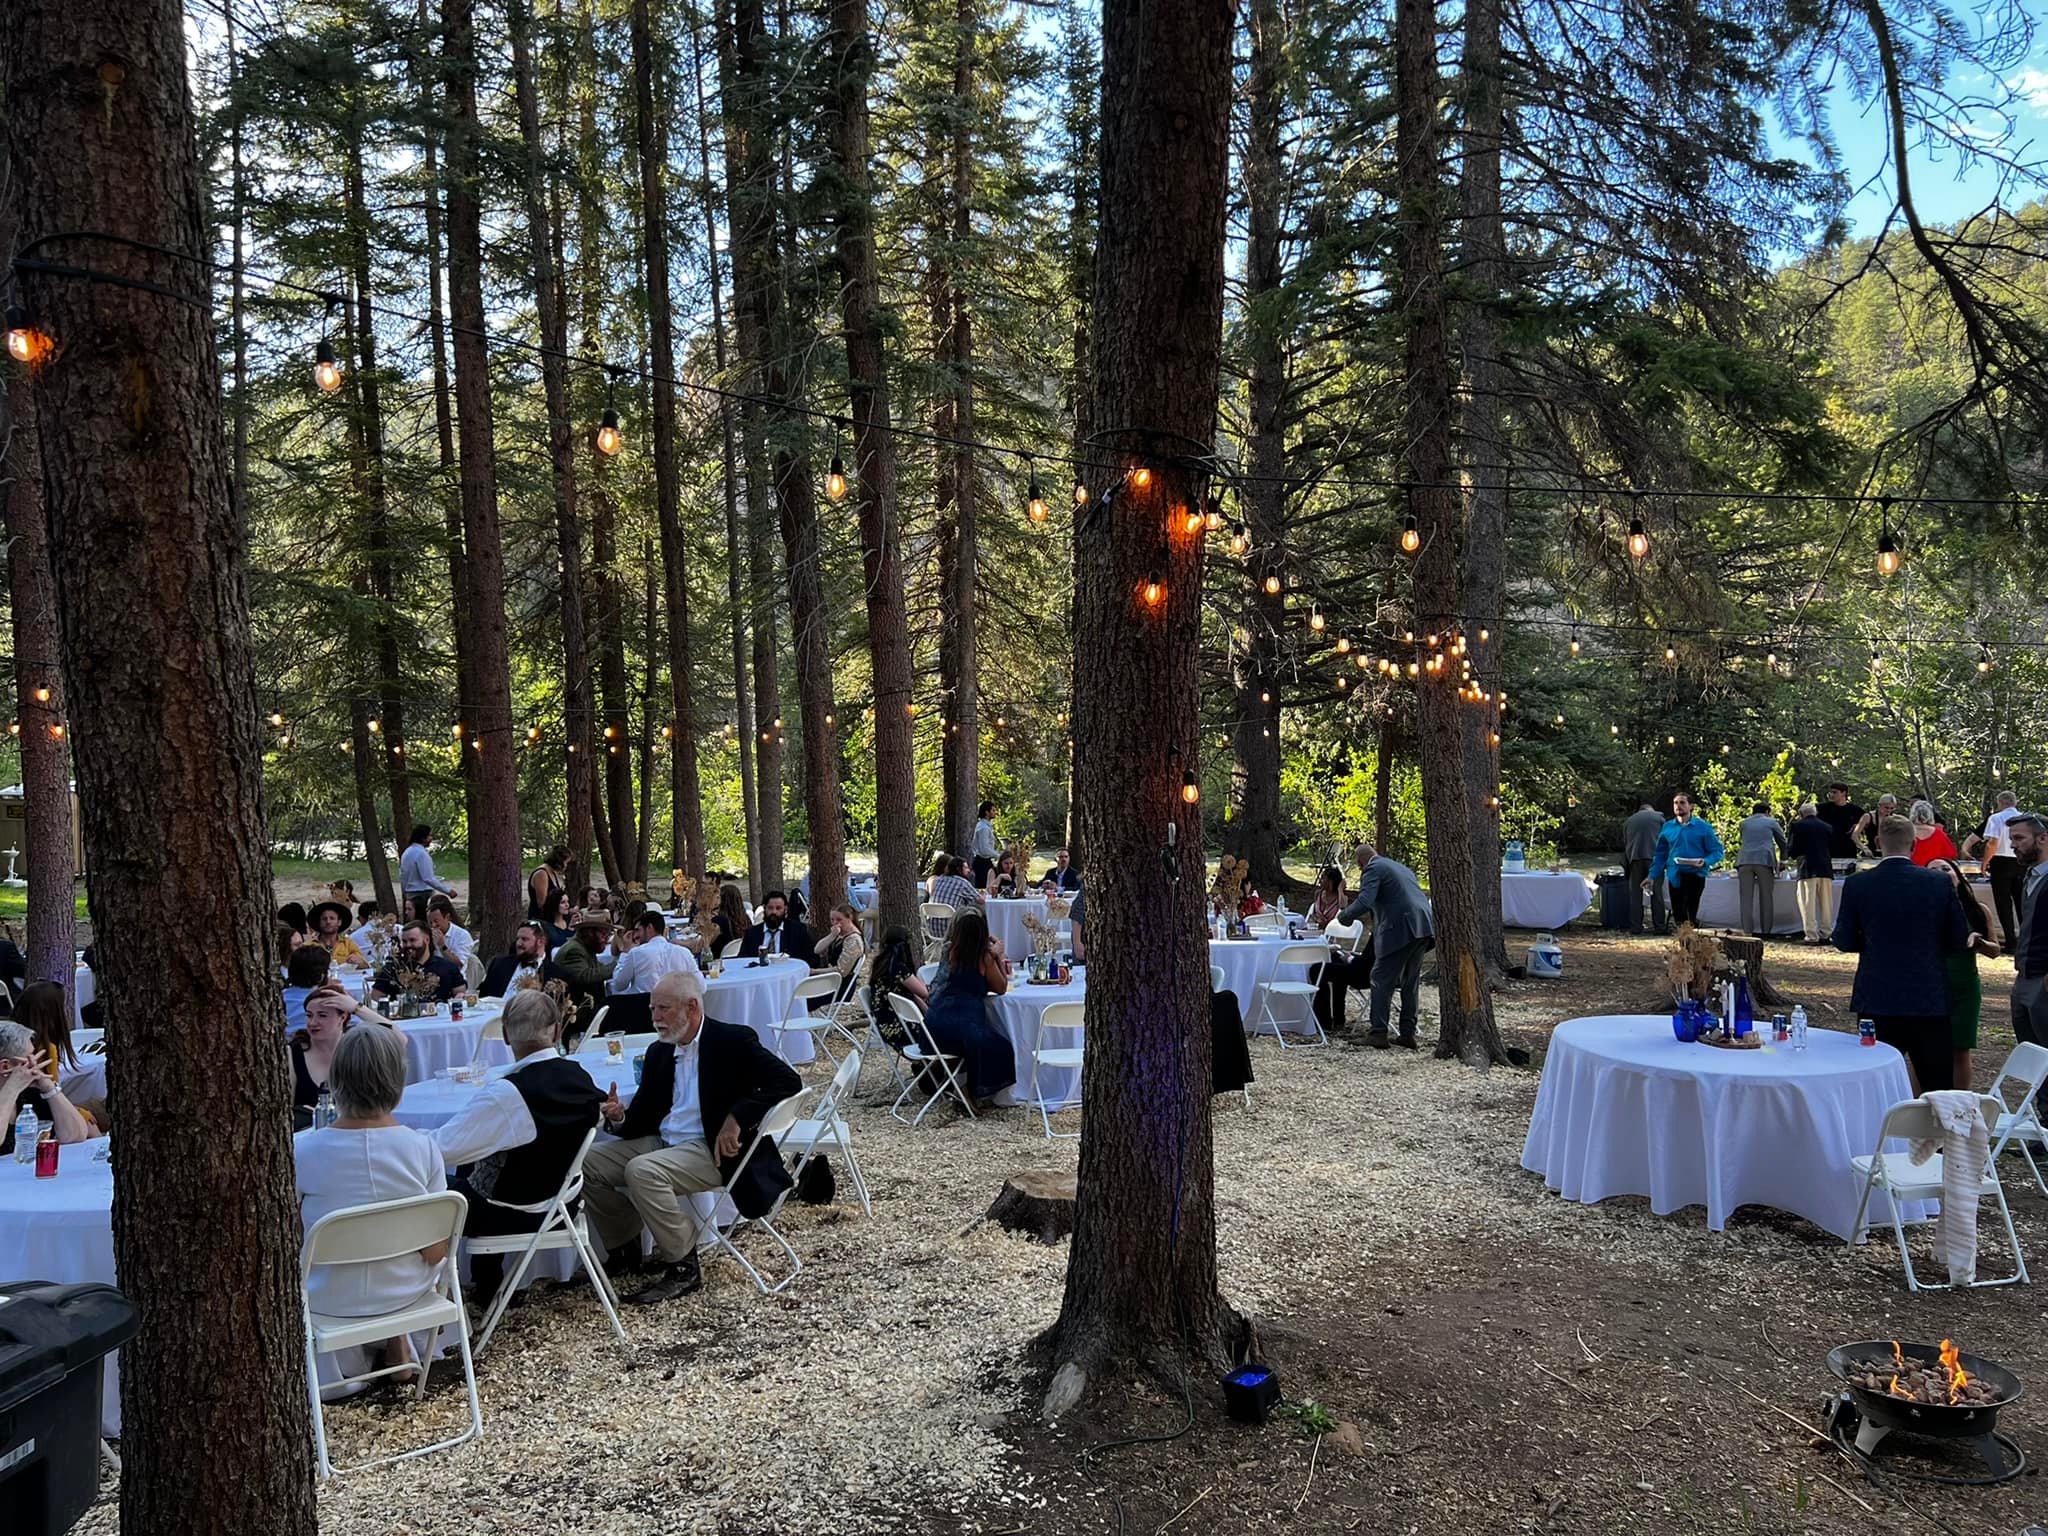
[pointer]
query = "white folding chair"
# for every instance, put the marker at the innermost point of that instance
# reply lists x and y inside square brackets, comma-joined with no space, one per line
[935,918]
[1346,939]
[923,1052]
[928,972]
[730,950]
[808,1138]
[374,1234]
[2026,1068]
[560,1227]
[493,1029]
[847,998]
[864,998]
[1263,922]
[473,970]
[799,1019]
[1299,997]
[1063,1016]
[1216,978]
[1901,1178]
[773,1127]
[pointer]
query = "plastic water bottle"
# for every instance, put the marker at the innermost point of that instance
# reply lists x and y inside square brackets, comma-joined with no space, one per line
[27,1128]
[1798,1029]
[323,1111]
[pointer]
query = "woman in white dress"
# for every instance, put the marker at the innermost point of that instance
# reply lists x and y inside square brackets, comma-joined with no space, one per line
[367,1157]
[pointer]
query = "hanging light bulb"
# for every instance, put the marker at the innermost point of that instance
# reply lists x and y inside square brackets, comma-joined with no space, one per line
[1670,653]
[275,718]
[1315,620]
[57,730]
[1638,537]
[1035,499]
[835,479]
[455,730]
[14,727]
[1213,518]
[1273,586]
[25,343]
[1080,494]
[1575,640]
[376,726]
[1238,542]
[1141,477]
[1154,590]
[1411,536]
[1614,730]
[1876,661]
[1343,645]
[1265,697]
[285,740]
[1984,662]
[1557,720]
[1190,790]
[1888,560]
[1194,520]
[43,697]
[609,438]
[1343,683]
[326,371]
[1770,658]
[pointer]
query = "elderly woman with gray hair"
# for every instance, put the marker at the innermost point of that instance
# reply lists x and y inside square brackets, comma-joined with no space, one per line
[1930,840]
[25,1080]
[366,1158]
[513,1143]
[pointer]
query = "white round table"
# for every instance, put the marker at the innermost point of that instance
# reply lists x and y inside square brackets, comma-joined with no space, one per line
[1625,1109]
[62,1230]
[758,997]
[1017,1013]
[1721,902]
[1006,922]
[1248,964]
[1541,899]
[83,990]
[432,1044]
[432,1104]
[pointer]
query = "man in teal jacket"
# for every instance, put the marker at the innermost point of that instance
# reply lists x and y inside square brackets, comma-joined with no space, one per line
[1686,850]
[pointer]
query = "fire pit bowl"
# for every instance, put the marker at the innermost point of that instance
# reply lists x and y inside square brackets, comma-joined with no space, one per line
[1877,1414]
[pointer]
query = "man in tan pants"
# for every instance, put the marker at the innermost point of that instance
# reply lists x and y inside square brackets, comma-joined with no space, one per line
[703,1090]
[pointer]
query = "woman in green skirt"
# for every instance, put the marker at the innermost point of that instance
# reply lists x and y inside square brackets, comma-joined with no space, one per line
[1965,991]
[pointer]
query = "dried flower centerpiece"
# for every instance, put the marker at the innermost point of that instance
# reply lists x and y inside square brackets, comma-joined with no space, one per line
[1226,895]
[418,990]
[1693,965]
[682,890]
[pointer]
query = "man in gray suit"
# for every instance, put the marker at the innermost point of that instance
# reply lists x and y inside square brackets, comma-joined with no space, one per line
[1402,931]
[1638,852]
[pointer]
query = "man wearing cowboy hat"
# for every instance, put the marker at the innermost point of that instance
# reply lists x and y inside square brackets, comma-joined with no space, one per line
[577,964]
[330,920]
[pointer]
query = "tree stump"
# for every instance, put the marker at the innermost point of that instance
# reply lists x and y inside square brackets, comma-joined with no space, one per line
[1747,953]
[1039,1205]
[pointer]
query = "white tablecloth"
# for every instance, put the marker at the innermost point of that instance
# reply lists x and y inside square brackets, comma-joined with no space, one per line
[1248,964]
[1625,1109]
[83,990]
[1543,900]
[1721,902]
[62,1230]
[758,997]
[1016,1013]
[436,1043]
[1006,922]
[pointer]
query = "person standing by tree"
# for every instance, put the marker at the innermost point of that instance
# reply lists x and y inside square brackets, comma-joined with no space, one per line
[1403,931]
[1760,843]
[549,877]
[1992,848]
[1687,849]
[2029,838]
[985,846]
[1813,847]
[1638,850]
[416,878]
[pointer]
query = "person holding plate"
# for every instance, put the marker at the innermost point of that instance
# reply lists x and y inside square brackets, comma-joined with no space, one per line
[1687,849]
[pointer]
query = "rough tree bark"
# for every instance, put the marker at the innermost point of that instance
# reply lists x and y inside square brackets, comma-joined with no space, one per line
[729,481]
[1083,89]
[1465,1007]
[495,872]
[1484,423]
[874,448]
[685,793]
[543,219]
[960,748]
[1253,832]
[1141,1274]
[47,850]
[152,604]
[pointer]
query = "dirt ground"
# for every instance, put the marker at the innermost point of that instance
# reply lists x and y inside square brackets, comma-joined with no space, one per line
[1489,1358]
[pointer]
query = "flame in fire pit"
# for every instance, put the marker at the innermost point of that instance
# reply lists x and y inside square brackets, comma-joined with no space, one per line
[1898,1355]
[1899,1391]
[1951,1359]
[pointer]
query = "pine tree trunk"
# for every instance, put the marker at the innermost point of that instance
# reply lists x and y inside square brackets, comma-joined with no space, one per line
[495,871]
[729,484]
[685,793]
[1084,90]
[146,549]
[1466,1027]
[643,851]
[1484,578]
[1253,832]
[49,854]
[962,754]
[808,621]
[874,448]
[1141,1274]
[543,218]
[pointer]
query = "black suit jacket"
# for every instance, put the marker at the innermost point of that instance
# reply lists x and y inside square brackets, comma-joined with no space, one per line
[1901,920]
[498,976]
[796,940]
[736,1075]
[1067,880]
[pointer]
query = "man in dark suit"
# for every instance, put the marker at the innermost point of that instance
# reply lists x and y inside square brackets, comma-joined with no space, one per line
[529,949]
[703,1092]
[1403,931]
[1900,920]
[778,933]
[1062,876]
[2029,842]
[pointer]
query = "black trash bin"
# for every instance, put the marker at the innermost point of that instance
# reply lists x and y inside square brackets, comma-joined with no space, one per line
[52,1340]
[1613,889]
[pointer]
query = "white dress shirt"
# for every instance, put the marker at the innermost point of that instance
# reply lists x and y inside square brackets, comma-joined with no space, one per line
[685,1119]
[984,840]
[459,944]
[646,963]
[494,1120]
[1996,843]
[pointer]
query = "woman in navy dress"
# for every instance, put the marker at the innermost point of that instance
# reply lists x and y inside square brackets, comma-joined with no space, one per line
[970,973]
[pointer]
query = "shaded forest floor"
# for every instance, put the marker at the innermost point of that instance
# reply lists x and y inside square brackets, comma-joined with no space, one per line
[1497,1360]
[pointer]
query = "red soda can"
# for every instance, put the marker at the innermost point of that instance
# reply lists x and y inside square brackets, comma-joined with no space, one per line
[46,1157]
[1866,1032]
[455,1008]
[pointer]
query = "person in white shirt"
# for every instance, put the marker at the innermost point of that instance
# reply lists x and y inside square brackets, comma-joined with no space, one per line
[416,878]
[650,956]
[364,1158]
[450,937]
[514,1139]
[1993,848]
[985,847]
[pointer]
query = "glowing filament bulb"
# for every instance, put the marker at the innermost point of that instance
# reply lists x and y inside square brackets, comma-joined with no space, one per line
[1888,560]
[1154,591]
[1035,500]
[326,371]
[1190,790]
[835,479]
[609,439]
[1315,621]
[1411,536]
[1272,586]
[1141,477]
[1638,538]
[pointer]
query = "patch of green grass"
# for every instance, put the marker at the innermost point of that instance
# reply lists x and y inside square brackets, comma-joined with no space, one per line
[14,902]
